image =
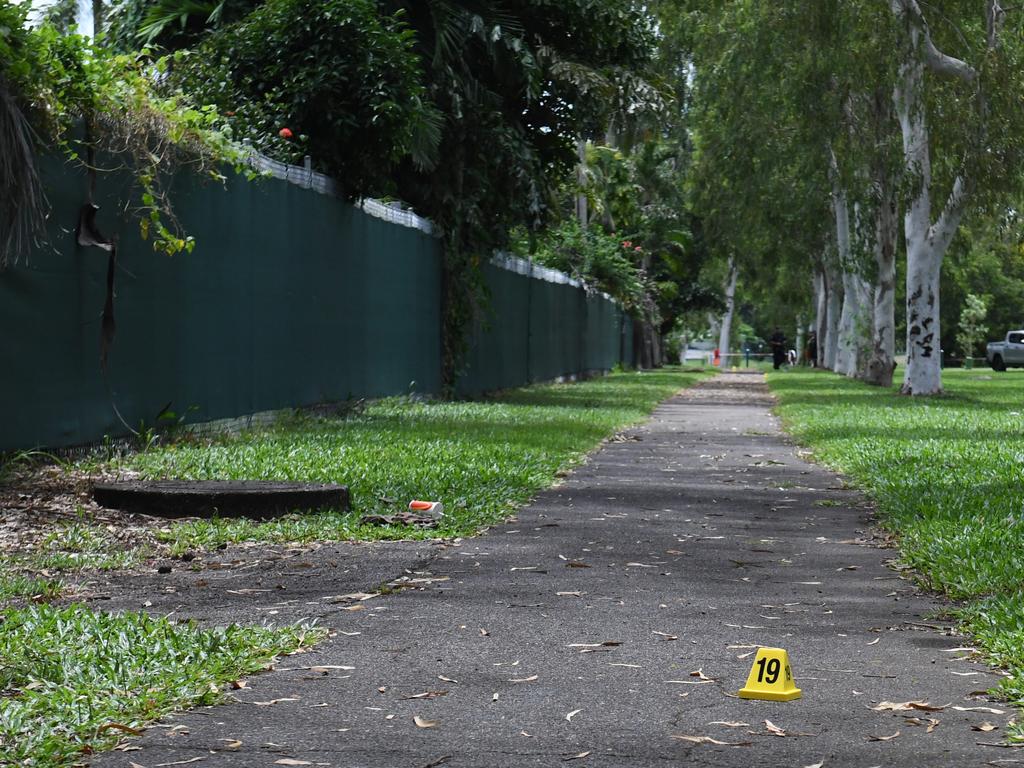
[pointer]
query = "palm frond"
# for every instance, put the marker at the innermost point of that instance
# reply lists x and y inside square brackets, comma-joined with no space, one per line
[22,202]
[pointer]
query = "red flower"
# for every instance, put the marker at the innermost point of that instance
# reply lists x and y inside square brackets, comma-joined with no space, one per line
[638,249]
[285,133]
[627,244]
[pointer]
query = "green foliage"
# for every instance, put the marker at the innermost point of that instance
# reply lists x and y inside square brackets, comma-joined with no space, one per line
[948,478]
[517,83]
[51,83]
[986,259]
[482,459]
[601,261]
[169,24]
[69,673]
[971,330]
[338,79]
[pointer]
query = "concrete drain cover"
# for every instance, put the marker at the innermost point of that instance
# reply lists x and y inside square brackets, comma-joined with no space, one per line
[257,499]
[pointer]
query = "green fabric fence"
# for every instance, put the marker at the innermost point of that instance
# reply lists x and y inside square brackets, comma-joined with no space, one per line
[290,298]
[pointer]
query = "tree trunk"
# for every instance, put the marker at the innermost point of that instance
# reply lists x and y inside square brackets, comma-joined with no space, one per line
[833,308]
[582,212]
[98,18]
[883,339]
[725,332]
[926,242]
[657,357]
[849,320]
[846,342]
[799,337]
[820,314]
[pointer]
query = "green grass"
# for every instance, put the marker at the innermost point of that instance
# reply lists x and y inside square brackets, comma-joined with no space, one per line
[14,584]
[73,680]
[481,459]
[947,474]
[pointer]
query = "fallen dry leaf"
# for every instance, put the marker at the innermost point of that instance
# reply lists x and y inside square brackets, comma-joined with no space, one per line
[773,729]
[484,632]
[271,702]
[580,756]
[426,695]
[606,643]
[883,738]
[874,641]
[119,727]
[569,594]
[423,722]
[573,714]
[290,761]
[729,724]
[231,743]
[816,765]
[447,679]
[931,722]
[709,740]
[984,727]
[666,635]
[903,706]
[529,679]
[989,710]
[315,668]
[352,597]
[699,673]
[179,762]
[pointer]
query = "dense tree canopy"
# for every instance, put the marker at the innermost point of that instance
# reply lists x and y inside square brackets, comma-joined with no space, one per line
[760,155]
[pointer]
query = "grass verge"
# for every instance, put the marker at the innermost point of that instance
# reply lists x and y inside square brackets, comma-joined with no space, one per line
[74,681]
[481,459]
[947,474]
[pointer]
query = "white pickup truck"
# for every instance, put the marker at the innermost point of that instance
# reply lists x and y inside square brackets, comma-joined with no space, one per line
[1006,354]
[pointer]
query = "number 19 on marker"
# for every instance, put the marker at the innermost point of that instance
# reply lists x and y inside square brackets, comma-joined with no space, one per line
[770,677]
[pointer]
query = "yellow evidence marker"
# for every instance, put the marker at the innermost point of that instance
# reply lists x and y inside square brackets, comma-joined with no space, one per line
[771,677]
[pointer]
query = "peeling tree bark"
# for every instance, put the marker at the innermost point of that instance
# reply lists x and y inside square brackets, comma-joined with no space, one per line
[725,332]
[820,313]
[853,330]
[880,361]
[927,242]
[847,343]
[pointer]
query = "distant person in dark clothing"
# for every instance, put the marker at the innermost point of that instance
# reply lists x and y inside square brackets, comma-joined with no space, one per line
[778,345]
[812,349]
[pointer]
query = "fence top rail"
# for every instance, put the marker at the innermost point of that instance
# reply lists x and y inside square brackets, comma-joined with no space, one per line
[304,176]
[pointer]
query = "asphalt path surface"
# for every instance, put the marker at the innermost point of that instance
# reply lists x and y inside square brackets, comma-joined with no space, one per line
[611,624]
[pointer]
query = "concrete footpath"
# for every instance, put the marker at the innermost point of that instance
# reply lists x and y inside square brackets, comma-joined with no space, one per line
[617,615]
